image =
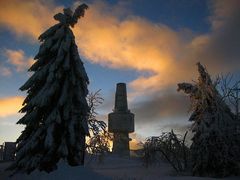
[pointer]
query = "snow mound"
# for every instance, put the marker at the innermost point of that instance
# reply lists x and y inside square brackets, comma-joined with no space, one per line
[64,172]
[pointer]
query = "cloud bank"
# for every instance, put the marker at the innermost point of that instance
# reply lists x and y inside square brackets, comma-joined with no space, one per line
[108,37]
[27,18]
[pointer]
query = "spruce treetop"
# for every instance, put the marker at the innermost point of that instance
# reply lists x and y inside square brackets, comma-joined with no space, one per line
[70,18]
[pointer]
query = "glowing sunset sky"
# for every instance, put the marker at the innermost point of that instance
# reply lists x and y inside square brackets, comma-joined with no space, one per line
[150,45]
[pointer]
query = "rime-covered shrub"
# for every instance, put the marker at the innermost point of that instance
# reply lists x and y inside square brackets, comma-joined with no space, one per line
[98,143]
[214,149]
[168,146]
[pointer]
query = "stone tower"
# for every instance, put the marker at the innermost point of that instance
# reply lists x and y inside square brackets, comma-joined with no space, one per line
[121,122]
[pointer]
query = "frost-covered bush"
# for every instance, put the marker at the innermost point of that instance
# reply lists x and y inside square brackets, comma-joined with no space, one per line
[98,143]
[215,148]
[168,146]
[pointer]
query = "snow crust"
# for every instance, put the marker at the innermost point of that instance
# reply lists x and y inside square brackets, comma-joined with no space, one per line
[113,167]
[64,172]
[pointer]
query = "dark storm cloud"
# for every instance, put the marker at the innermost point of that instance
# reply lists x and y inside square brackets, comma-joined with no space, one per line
[222,48]
[226,39]
[162,105]
[180,128]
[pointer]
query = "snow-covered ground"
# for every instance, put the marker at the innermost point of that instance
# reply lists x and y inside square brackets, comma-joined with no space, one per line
[133,169]
[64,172]
[111,168]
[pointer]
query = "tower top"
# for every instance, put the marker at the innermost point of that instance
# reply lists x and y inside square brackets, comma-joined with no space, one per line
[121,104]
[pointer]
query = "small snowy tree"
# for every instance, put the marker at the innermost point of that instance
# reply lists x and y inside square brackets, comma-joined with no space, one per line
[169,146]
[99,140]
[55,108]
[213,149]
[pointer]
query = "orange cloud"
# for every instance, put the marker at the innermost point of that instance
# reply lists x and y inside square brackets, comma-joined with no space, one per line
[104,36]
[10,106]
[133,43]
[25,17]
[169,55]
[101,36]
[18,59]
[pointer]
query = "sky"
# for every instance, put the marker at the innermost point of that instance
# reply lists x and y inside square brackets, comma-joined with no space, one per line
[149,45]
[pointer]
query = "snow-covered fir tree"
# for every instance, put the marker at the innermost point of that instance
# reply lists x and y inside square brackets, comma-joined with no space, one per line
[213,149]
[55,108]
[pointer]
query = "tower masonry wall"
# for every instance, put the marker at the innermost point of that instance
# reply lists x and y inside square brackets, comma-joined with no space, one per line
[121,122]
